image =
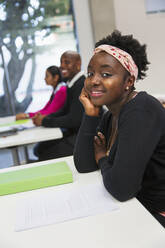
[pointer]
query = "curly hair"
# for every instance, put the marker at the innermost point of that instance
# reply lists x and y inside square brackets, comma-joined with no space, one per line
[131,46]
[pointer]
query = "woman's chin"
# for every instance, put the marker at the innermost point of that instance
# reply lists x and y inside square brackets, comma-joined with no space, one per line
[97,103]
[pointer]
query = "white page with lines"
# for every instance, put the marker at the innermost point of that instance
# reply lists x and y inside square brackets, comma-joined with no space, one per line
[63,205]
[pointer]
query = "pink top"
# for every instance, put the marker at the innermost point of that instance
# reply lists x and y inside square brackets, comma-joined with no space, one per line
[56,103]
[162,213]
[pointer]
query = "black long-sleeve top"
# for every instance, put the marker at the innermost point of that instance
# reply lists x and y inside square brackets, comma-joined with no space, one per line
[135,166]
[70,116]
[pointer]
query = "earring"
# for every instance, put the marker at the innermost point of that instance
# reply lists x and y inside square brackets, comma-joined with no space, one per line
[127,88]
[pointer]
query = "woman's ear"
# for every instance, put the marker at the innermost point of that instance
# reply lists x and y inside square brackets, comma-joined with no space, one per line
[129,82]
[56,78]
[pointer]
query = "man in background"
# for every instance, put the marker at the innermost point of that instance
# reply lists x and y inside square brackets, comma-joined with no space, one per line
[69,117]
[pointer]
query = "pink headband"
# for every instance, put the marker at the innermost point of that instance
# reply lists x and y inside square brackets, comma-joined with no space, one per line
[123,57]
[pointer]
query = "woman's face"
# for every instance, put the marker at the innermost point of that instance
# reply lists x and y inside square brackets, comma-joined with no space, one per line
[105,82]
[50,79]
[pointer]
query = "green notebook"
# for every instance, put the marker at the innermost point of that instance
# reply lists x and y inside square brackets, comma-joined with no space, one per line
[35,178]
[13,123]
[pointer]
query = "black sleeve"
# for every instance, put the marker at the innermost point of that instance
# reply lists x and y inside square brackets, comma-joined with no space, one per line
[138,135]
[71,119]
[84,148]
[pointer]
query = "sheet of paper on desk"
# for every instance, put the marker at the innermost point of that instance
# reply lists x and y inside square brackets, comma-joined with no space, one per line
[63,205]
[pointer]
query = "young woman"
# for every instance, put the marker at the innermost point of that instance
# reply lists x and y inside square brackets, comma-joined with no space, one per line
[58,97]
[127,143]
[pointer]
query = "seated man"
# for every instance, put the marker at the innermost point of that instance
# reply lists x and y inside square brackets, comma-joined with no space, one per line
[69,117]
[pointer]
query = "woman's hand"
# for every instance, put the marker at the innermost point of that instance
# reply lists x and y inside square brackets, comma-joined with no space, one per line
[37,119]
[99,146]
[90,109]
[22,116]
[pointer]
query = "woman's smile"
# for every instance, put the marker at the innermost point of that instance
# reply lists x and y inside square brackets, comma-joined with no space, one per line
[96,93]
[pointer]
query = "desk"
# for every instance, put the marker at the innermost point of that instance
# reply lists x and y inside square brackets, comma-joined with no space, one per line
[26,137]
[129,227]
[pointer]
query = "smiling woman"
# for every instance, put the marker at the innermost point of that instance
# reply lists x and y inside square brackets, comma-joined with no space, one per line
[111,73]
[57,100]
[127,143]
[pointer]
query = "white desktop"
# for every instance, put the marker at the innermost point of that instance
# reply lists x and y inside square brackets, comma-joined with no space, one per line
[129,226]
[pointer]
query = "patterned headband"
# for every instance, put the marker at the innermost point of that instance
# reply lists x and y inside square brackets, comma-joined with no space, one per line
[123,57]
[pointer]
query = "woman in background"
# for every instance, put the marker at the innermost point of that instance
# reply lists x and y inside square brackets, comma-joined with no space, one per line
[127,143]
[57,99]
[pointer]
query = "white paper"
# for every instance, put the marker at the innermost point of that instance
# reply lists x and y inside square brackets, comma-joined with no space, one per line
[64,205]
[5,129]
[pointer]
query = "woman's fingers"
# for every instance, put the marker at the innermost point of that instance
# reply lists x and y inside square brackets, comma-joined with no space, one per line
[102,138]
[83,96]
[97,141]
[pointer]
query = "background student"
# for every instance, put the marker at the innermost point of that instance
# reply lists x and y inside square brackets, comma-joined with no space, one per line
[69,117]
[53,78]
[128,143]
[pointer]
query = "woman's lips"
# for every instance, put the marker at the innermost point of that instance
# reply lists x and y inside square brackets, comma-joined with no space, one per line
[96,93]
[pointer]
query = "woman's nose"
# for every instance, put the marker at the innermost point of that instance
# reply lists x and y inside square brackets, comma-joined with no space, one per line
[95,80]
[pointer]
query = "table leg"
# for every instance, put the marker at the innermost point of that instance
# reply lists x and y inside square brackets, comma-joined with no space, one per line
[15,155]
[26,153]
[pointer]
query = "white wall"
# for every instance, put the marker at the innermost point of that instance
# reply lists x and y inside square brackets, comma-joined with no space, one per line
[84,30]
[103,17]
[131,18]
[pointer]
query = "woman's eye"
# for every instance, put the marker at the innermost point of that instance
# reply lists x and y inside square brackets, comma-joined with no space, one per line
[105,74]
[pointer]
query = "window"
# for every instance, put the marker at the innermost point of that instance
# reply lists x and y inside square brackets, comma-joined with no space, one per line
[34,34]
[155,6]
